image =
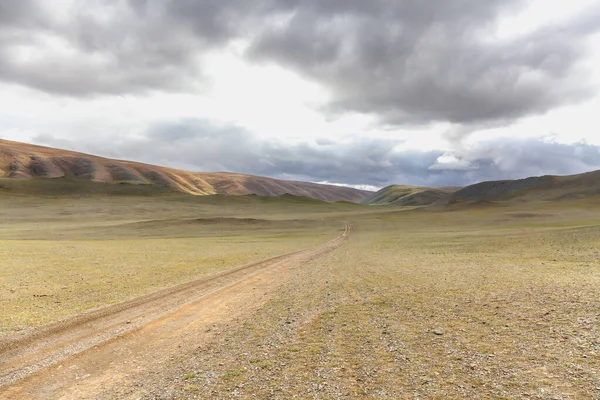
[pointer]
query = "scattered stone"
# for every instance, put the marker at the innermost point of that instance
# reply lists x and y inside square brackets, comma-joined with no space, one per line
[438,332]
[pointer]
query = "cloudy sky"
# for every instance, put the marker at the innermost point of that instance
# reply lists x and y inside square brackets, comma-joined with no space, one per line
[355,92]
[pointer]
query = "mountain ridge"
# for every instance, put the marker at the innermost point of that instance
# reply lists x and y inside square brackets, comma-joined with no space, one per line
[28,161]
[546,188]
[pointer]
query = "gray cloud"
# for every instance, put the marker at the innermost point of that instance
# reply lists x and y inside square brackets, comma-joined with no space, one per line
[408,62]
[102,48]
[17,12]
[416,62]
[519,158]
[202,146]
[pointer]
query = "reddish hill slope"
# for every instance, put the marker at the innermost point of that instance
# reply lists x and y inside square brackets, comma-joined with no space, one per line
[26,161]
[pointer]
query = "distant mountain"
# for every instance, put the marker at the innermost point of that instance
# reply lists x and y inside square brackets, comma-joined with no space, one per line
[26,161]
[402,195]
[547,187]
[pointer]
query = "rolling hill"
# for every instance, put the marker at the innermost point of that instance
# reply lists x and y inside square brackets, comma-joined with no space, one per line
[26,161]
[548,187]
[544,188]
[402,195]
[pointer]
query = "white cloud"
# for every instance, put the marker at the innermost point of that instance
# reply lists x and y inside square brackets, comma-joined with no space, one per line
[451,162]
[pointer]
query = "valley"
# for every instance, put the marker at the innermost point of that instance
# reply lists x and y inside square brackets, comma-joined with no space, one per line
[465,300]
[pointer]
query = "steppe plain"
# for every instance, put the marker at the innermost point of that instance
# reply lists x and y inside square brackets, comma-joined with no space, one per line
[489,300]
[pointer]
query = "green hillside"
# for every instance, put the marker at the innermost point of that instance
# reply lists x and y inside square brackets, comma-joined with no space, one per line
[404,195]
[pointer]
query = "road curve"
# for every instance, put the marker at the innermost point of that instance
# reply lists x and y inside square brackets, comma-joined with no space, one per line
[21,357]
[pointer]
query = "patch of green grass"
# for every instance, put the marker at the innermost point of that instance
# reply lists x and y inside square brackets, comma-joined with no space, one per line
[190,375]
[232,374]
[265,364]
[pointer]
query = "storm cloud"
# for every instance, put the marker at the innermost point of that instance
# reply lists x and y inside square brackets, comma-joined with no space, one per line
[404,62]
[200,145]
[413,62]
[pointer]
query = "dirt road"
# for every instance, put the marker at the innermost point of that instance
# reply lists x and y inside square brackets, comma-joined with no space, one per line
[109,350]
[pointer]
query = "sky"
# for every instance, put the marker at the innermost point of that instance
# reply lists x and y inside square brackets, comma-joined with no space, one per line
[352,92]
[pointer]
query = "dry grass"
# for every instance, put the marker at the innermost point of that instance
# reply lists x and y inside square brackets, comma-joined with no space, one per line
[511,291]
[64,256]
[43,280]
[65,253]
[516,304]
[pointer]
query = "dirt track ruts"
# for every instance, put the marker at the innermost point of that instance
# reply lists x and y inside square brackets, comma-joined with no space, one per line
[25,355]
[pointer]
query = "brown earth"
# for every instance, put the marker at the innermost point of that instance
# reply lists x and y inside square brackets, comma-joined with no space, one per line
[100,354]
[26,161]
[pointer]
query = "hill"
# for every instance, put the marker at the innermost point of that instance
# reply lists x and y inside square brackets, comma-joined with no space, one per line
[548,187]
[26,161]
[403,195]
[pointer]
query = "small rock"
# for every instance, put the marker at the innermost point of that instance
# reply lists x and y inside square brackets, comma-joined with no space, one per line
[438,332]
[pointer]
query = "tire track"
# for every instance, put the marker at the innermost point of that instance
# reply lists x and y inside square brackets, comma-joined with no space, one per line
[25,355]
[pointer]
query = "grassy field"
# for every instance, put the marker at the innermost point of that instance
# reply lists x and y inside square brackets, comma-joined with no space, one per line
[71,250]
[481,301]
[487,303]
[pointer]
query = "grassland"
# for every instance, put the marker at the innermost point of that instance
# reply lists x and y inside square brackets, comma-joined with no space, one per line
[79,247]
[485,301]
[493,303]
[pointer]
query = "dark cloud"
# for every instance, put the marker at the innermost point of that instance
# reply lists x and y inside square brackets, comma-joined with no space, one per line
[408,62]
[417,62]
[17,12]
[202,146]
[104,48]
